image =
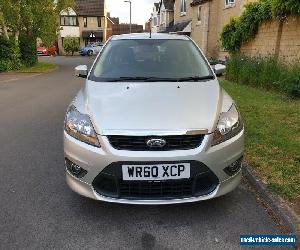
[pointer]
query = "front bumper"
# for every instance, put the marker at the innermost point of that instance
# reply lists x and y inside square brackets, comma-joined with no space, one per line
[94,160]
[87,190]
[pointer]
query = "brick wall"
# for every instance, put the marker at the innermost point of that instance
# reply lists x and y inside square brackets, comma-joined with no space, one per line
[275,38]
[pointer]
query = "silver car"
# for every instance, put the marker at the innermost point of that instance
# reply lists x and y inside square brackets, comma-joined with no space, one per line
[152,125]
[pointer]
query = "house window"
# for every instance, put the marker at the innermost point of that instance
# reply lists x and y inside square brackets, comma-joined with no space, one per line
[229,2]
[85,21]
[183,7]
[154,21]
[68,21]
[199,14]
[99,21]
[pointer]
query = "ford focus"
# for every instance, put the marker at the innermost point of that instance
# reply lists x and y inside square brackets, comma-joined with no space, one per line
[152,125]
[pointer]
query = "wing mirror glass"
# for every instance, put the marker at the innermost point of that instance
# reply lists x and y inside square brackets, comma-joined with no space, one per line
[219,69]
[81,71]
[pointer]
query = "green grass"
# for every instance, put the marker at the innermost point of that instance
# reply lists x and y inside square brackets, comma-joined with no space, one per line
[272,123]
[269,73]
[40,67]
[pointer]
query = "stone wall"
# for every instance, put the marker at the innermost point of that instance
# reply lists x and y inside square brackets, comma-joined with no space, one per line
[276,38]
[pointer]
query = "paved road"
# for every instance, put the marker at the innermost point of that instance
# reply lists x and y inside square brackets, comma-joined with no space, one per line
[38,210]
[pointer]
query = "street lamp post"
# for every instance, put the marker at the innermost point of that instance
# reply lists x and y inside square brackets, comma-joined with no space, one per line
[129,1]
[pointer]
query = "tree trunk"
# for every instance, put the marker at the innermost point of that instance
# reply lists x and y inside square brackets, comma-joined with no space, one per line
[17,33]
[3,26]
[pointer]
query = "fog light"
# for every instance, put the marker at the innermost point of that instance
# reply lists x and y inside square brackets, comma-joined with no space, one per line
[234,167]
[74,169]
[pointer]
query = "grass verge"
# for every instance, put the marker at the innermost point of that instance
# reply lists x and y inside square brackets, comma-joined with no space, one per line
[272,123]
[269,73]
[40,67]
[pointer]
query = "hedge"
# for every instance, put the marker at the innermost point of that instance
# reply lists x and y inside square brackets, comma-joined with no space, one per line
[9,54]
[28,50]
[245,27]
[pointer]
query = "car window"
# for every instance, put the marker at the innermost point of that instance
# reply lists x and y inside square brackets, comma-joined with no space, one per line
[150,58]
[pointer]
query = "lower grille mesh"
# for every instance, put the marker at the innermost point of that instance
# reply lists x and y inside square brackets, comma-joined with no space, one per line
[146,189]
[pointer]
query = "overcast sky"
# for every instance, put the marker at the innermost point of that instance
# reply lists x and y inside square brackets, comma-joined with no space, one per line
[141,10]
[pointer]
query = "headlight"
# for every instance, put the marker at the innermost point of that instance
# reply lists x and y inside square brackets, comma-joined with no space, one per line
[79,126]
[229,125]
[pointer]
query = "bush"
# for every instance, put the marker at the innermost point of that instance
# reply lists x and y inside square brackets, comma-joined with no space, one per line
[28,50]
[71,44]
[9,54]
[268,73]
[245,27]
[230,37]
[282,9]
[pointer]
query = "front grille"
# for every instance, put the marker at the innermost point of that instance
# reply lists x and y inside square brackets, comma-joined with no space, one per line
[139,143]
[110,183]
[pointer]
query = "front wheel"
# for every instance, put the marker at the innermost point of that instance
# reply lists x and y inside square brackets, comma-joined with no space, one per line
[90,53]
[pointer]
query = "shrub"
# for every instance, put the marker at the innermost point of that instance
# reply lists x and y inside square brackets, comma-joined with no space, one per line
[230,37]
[245,27]
[285,8]
[28,50]
[71,44]
[268,73]
[9,54]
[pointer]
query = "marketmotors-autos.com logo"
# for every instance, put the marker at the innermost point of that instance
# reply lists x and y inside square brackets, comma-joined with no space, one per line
[268,240]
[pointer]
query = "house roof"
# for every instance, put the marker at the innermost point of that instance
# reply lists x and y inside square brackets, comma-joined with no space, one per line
[177,27]
[115,20]
[198,2]
[169,4]
[89,7]
[92,33]
[157,6]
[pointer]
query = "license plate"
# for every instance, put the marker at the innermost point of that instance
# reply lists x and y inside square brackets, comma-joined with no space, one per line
[156,172]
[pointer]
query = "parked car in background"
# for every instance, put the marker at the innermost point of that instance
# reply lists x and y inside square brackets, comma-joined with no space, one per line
[44,51]
[91,49]
[152,125]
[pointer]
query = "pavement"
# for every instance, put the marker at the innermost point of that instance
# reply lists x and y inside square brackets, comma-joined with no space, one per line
[39,211]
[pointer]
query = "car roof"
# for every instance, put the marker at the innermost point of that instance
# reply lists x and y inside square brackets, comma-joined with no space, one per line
[134,36]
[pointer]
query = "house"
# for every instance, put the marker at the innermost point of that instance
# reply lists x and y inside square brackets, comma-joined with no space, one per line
[155,18]
[148,25]
[166,14]
[87,21]
[204,20]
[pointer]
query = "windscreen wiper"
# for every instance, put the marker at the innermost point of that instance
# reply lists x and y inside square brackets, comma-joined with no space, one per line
[160,79]
[126,78]
[195,78]
[141,78]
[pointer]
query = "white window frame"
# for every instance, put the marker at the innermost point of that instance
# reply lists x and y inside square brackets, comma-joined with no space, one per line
[229,3]
[182,7]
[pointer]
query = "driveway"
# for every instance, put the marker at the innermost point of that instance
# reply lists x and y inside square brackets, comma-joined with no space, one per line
[39,211]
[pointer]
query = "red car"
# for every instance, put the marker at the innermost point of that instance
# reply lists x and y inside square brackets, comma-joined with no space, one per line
[43,51]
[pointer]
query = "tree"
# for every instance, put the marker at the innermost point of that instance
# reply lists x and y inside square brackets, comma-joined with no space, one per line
[31,19]
[71,44]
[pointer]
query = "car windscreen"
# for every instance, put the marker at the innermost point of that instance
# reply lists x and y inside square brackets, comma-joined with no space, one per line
[160,59]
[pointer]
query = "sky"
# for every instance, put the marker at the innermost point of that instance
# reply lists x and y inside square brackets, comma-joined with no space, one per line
[141,10]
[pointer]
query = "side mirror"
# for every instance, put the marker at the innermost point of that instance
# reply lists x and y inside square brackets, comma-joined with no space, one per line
[219,69]
[81,71]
